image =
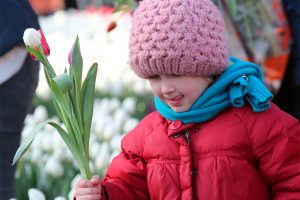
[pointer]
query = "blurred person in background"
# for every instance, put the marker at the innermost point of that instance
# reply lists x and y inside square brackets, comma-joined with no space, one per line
[288,97]
[18,81]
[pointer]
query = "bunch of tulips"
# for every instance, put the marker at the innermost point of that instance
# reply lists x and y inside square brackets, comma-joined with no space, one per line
[73,99]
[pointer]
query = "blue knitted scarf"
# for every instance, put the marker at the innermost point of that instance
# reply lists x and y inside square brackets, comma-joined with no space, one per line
[239,82]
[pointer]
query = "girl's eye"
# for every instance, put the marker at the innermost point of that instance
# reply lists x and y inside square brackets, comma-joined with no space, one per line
[154,77]
[175,75]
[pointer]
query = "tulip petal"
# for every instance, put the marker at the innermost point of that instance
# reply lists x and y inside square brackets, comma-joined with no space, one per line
[32,38]
[64,82]
[44,44]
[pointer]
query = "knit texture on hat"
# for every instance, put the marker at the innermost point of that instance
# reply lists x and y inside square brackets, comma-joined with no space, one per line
[181,37]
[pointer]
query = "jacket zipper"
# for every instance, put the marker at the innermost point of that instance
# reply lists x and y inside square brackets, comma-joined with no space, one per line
[186,135]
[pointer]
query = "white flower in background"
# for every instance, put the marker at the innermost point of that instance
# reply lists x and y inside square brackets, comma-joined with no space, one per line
[118,126]
[42,90]
[29,120]
[92,166]
[48,128]
[75,180]
[117,88]
[60,198]
[60,153]
[102,160]
[27,130]
[94,149]
[40,113]
[130,124]
[114,154]
[46,141]
[129,104]
[98,123]
[32,38]
[114,104]
[109,131]
[120,115]
[35,194]
[37,142]
[35,156]
[104,106]
[54,167]
[57,142]
[116,142]
[71,193]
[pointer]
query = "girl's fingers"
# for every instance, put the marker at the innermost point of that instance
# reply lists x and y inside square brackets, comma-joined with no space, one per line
[84,184]
[95,180]
[88,192]
[89,197]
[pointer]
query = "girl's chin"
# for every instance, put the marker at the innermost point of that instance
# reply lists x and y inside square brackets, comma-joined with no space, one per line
[179,109]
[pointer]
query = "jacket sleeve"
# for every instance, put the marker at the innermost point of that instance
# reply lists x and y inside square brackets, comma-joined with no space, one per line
[277,147]
[126,177]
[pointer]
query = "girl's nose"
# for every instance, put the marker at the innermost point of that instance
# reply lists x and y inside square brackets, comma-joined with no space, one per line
[167,88]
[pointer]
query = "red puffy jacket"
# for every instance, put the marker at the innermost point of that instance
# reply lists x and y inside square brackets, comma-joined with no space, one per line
[238,155]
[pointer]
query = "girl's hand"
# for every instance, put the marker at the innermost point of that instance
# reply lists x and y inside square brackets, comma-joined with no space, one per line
[88,189]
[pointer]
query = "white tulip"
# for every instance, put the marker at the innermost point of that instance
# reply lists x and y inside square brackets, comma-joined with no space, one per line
[109,131]
[28,130]
[46,145]
[32,38]
[40,113]
[42,90]
[116,142]
[60,198]
[75,180]
[120,115]
[94,149]
[36,156]
[54,167]
[130,124]
[102,161]
[71,194]
[114,104]
[129,104]
[37,142]
[36,194]
[29,120]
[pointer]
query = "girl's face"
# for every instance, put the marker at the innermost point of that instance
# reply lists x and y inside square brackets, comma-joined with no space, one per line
[178,92]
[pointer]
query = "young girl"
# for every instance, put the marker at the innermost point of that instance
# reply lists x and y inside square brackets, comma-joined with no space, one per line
[215,134]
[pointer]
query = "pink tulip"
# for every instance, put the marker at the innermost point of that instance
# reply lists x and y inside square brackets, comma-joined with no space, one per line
[44,45]
[70,56]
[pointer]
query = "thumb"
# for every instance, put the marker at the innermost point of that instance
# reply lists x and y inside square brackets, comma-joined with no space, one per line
[95,180]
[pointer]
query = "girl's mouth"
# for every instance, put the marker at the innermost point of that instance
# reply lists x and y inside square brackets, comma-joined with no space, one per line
[175,102]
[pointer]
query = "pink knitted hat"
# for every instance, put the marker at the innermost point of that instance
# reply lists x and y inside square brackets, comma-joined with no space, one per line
[181,37]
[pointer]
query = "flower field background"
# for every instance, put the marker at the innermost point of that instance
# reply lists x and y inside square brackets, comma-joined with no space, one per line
[47,170]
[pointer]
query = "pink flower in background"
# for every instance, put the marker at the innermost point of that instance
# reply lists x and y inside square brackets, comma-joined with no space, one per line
[111,26]
[70,56]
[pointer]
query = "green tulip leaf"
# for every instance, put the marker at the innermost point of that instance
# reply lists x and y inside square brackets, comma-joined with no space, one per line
[27,141]
[88,91]
[60,97]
